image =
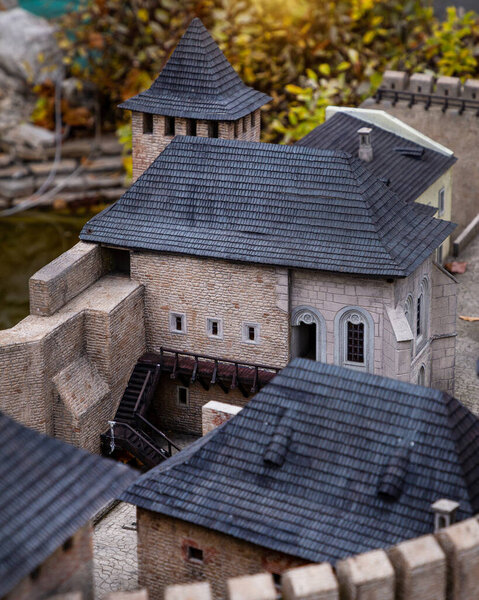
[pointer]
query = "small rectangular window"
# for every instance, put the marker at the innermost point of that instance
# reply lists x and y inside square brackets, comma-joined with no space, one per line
[244,124]
[213,129]
[169,125]
[147,123]
[182,396]
[439,255]
[191,127]
[253,119]
[441,202]
[355,342]
[177,322]
[236,129]
[195,554]
[251,333]
[214,328]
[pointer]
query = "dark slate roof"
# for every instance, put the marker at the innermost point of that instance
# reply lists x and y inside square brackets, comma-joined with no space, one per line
[269,204]
[409,176]
[298,470]
[198,82]
[48,490]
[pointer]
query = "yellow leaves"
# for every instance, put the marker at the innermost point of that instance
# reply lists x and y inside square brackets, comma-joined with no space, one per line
[143,15]
[369,36]
[324,69]
[294,89]
[343,66]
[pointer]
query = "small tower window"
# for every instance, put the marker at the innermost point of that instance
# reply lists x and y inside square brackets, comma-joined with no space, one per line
[183,396]
[419,316]
[195,554]
[236,129]
[177,322]
[421,377]
[214,328]
[441,202]
[169,125]
[251,333]
[244,124]
[213,129]
[419,88]
[147,123]
[253,119]
[191,127]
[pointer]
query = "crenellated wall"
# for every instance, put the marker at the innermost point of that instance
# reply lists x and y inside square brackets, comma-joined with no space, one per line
[444,566]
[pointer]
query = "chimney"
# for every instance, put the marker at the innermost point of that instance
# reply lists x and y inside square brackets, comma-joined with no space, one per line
[365,149]
[444,513]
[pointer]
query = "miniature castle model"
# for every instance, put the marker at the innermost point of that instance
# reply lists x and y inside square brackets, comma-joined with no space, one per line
[447,111]
[226,258]
[49,492]
[325,462]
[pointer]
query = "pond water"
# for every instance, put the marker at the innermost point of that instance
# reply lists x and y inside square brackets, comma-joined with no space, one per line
[28,242]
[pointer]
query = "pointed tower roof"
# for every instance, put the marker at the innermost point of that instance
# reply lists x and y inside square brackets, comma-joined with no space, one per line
[198,82]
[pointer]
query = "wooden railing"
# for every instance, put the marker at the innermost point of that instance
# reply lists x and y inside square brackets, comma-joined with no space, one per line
[427,99]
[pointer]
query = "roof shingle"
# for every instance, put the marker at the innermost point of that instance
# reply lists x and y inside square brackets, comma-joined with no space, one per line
[358,460]
[410,174]
[48,490]
[269,204]
[198,82]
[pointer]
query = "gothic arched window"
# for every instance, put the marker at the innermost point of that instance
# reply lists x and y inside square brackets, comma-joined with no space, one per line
[354,338]
[308,339]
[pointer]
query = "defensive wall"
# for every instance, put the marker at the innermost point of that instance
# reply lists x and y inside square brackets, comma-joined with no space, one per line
[444,566]
[447,111]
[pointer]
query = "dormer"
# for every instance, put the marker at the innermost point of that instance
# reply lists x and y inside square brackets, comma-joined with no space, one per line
[198,93]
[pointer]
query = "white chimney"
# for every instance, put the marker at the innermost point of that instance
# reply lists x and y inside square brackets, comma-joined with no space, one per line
[365,149]
[444,513]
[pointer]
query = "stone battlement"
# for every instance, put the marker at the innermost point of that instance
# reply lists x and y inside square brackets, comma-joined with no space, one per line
[444,566]
[448,92]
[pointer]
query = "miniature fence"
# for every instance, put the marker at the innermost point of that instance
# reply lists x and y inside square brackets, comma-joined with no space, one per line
[444,566]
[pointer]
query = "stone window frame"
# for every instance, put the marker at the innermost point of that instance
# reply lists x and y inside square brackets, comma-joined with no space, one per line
[422,308]
[409,311]
[209,328]
[245,333]
[354,314]
[441,201]
[308,315]
[172,320]
[178,402]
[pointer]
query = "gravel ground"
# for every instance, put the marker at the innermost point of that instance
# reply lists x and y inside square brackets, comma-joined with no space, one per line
[467,348]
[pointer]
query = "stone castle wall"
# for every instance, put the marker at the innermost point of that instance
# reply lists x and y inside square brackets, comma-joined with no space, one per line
[447,122]
[64,373]
[68,569]
[443,566]
[147,146]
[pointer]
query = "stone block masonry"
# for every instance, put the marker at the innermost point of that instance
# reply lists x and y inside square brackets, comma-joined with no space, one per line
[49,362]
[444,566]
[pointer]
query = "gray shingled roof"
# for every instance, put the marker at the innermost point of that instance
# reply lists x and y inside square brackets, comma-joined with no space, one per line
[48,490]
[198,82]
[409,176]
[269,204]
[299,469]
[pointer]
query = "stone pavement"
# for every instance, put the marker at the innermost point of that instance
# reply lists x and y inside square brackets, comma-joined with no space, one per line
[467,348]
[115,563]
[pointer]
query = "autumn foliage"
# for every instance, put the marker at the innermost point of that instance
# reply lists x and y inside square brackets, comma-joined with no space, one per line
[306,54]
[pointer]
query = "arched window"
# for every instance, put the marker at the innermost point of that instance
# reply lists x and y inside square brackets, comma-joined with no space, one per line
[422,313]
[308,339]
[409,311]
[421,376]
[354,338]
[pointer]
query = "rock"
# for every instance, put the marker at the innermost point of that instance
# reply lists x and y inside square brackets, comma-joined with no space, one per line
[13,188]
[28,48]
[30,136]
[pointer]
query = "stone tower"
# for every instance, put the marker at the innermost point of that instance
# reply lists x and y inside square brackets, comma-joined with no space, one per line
[197,93]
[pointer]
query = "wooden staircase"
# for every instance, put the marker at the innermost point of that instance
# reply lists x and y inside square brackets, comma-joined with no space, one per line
[130,430]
